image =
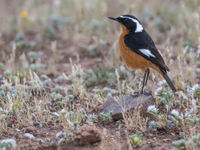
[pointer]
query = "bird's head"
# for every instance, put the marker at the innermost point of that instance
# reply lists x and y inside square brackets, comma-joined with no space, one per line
[131,23]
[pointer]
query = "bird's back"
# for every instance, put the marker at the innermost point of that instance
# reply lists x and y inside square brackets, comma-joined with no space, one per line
[142,41]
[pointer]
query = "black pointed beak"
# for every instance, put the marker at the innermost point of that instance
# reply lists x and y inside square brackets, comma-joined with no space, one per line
[115,19]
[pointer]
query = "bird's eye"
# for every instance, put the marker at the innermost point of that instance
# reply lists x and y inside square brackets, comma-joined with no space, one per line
[126,19]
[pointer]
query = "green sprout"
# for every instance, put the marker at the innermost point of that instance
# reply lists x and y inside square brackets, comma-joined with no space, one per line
[135,139]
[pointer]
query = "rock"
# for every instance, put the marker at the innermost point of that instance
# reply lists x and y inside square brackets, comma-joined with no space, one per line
[127,103]
[88,135]
[30,136]
[31,129]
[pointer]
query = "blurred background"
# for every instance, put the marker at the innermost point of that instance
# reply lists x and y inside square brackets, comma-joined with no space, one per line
[44,35]
[59,61]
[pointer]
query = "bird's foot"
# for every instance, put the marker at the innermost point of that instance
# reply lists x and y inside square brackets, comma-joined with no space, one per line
[146,93]
[136,94]
[142,92]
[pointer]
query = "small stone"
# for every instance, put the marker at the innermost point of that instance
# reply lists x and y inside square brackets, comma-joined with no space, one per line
[127,103]
[88,135]
[30,136]
[37,124]
[31,129]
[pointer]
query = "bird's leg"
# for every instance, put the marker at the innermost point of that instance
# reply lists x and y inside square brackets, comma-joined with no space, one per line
[147,76]
[143,82]
[145,79]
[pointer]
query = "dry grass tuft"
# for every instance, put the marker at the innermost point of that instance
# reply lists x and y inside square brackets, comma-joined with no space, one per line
[59,62]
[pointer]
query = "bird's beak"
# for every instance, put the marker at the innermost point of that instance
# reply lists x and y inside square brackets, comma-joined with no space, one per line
[115,19]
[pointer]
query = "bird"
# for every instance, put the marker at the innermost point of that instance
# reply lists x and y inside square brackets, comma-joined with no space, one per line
[138,50]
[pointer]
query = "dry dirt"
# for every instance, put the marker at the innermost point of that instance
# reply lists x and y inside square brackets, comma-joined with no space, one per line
[112,135]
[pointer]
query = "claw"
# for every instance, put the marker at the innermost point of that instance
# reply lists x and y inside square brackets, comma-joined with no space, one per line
[136,94]
[142,92]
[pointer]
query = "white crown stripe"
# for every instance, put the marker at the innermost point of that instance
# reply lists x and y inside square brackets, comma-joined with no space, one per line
[147,52]
[139,27]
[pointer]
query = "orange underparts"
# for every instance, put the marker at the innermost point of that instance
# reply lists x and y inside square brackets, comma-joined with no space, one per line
[132,59]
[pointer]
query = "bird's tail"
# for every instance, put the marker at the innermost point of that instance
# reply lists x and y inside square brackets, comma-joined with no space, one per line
[169,82]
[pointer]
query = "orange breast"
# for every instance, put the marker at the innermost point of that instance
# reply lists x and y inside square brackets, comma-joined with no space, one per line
[132,59]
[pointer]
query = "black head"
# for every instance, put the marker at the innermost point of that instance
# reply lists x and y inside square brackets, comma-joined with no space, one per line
[130,22]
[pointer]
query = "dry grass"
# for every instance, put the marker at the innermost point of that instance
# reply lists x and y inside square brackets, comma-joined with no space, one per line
[59,64]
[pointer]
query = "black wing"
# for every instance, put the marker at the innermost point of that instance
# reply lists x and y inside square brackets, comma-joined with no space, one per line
[141,40]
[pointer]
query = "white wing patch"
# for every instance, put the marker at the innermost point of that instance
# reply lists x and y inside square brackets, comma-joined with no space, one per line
[139,27]
[147,53]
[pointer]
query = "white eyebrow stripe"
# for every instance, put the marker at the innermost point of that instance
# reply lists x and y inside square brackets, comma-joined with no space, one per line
[147,53]
[139,27]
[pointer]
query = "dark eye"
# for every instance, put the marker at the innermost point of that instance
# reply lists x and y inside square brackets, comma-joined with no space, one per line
[125,20]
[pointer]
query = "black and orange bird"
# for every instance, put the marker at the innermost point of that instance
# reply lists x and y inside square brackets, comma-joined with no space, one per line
[138,50]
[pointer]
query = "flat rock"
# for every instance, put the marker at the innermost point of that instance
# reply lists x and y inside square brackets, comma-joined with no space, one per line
[127,103]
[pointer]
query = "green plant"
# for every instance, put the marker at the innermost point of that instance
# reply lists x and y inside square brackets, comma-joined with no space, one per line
[105,116]
[135,139]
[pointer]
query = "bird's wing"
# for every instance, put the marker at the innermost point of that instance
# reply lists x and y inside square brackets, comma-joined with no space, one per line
[142,44]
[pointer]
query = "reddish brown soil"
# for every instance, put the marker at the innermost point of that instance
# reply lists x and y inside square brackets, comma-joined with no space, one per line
[112,136]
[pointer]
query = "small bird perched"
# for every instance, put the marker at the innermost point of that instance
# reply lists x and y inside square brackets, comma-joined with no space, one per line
[138,50]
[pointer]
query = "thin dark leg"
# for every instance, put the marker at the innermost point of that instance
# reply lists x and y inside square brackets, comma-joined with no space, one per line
[143,82]
[147,77]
